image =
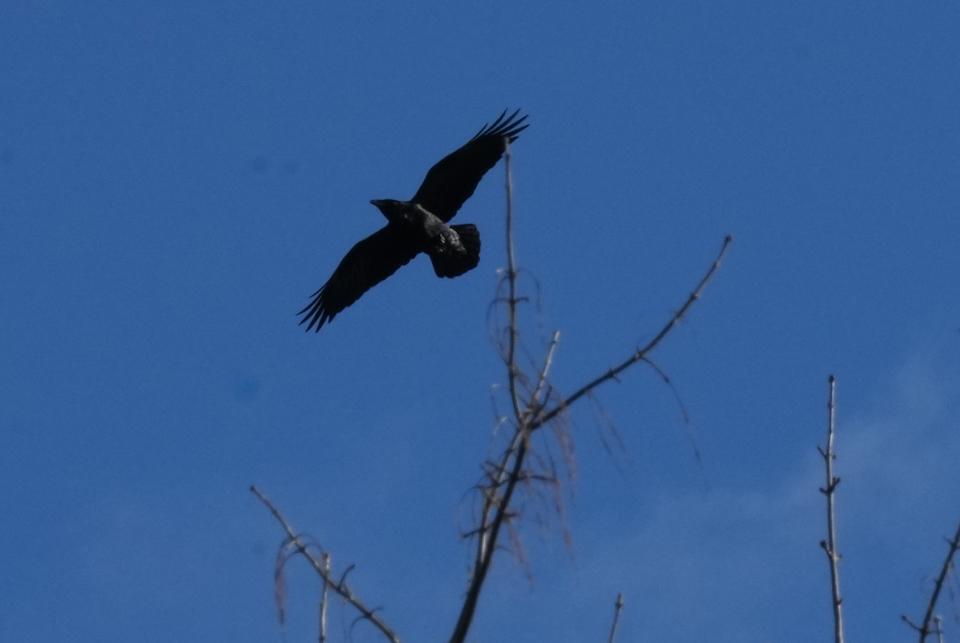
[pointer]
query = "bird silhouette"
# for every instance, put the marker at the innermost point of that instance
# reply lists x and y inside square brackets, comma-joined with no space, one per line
[419,225]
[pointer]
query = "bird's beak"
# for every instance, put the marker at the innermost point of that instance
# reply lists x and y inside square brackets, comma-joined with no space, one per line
[376,202]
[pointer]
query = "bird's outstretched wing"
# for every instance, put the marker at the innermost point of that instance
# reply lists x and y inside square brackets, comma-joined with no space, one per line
[368,263]
[454,178]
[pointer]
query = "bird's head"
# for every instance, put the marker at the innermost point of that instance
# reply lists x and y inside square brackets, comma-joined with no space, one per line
[391,208]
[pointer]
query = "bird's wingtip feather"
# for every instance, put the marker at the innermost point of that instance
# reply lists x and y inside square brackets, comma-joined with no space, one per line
[314,314]
[509,126]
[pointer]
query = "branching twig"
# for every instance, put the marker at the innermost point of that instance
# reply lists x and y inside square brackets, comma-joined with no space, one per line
[617,607]
[500,479]
[829,490]
[925,629]
[641,353]
[340,587]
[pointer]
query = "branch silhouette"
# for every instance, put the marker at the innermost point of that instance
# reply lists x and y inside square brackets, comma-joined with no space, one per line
[642,353]
[617,608]
[925,629]
[830,490]
[499,483]
[321,567]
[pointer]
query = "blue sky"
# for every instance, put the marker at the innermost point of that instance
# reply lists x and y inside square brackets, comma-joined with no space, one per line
[177,178]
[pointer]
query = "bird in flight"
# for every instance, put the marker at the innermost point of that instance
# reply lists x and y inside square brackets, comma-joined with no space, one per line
[419,225]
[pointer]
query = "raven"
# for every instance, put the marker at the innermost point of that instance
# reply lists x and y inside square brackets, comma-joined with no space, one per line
[419,225]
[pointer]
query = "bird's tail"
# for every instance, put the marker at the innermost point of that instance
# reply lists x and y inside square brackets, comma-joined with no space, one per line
[455,259]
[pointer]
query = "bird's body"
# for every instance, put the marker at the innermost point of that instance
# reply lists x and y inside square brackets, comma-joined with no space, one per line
[453,249]
[419,225]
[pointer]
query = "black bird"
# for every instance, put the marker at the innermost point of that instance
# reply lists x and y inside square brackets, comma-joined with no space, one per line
[419,225]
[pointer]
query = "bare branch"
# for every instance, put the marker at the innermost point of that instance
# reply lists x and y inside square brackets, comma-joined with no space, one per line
[542,379]
[488,538]
[296,542]
[511,465]
[829,490]
[529,400]
[925,629]
[512,285]
[640,353]
[325,561]
[617,607]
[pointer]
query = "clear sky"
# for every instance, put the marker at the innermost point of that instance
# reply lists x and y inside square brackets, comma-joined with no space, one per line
[176,178]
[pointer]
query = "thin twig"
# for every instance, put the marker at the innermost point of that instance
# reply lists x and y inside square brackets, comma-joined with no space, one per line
[617,607]
[939,623]
[829,490]
[325,561]
[543,377]
[924,629]
[640,353]
[512,285]
[339,587]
